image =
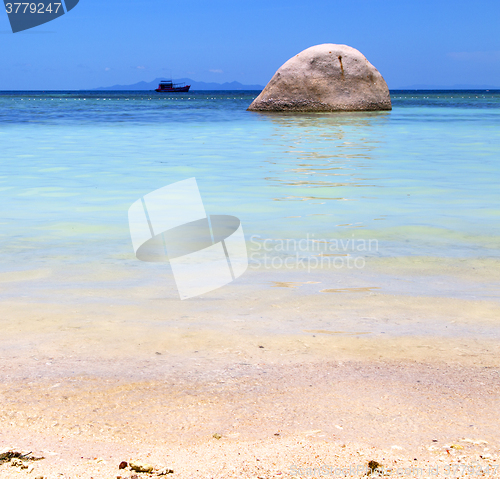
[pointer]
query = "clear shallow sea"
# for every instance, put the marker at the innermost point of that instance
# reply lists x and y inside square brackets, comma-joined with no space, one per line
[421,181]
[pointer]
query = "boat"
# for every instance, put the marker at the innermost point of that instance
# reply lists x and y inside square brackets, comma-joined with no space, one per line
[167,86]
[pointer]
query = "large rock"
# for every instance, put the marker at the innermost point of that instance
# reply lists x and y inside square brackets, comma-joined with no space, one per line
[325,77]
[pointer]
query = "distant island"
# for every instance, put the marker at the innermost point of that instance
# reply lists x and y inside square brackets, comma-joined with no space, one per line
[195,85]
[448,87]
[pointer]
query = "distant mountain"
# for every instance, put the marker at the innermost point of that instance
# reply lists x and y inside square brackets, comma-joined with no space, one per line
[195,85]
[448,87]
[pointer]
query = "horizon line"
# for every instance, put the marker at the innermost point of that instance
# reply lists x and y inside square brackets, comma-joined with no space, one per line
[390,89]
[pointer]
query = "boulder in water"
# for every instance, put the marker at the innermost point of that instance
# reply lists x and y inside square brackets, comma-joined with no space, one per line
[325,77]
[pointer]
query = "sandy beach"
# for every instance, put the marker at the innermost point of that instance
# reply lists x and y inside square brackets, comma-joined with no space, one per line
[252,418]
[237,401]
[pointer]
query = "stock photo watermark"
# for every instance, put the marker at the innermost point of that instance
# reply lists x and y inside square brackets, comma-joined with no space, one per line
[26,15]
[205,252]
[310,253]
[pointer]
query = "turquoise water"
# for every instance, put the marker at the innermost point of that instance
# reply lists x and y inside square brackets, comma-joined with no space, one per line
[421,180]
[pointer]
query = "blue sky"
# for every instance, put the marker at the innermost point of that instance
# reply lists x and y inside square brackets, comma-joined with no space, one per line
[102,43]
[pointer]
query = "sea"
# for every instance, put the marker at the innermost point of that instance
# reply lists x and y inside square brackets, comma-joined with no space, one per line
[364,222]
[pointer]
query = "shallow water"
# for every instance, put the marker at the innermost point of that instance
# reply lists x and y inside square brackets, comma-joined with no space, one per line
[411,194]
